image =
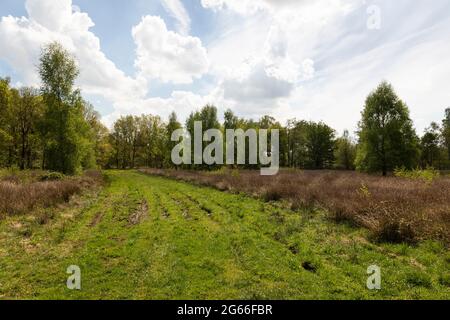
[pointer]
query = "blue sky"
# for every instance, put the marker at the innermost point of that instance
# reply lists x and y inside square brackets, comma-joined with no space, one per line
[313,60]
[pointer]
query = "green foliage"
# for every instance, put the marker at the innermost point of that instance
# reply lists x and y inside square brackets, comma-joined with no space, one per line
[56,129]
[52,176]
[418,279]
[319,146]
[309,145]
[386,136]
[446,132]
[172,126]
[66,134]
[430,146]
[345,152]
[208,117]
[427,175]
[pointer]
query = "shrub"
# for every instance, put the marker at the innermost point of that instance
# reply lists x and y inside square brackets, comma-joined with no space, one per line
[427,175]
[21,198]
[52,176]
[272,195]
[395,231]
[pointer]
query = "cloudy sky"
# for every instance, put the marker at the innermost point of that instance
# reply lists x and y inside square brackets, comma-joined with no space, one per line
[309,59]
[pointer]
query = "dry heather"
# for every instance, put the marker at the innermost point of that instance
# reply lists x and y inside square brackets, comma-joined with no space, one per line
[19,197]
[393,209]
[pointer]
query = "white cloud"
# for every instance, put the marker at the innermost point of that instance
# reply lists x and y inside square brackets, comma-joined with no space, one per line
[21,40]
[166,55]
[240,6]
[178,11]
[250,7]
[52,15]
[289,58]
[184,58]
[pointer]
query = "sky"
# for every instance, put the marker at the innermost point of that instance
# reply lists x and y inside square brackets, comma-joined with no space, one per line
[304,59]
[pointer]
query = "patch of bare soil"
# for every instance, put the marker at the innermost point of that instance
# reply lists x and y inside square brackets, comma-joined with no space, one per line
[139,214]
[96,220]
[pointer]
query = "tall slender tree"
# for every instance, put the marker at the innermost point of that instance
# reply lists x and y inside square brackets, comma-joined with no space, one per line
[446,131]
[345,152]
[63,116]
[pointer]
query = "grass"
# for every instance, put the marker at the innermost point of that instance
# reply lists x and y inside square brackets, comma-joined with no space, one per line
[393,209]
[147,237]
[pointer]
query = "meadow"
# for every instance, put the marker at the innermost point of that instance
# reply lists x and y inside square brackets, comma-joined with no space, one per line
[404,208]
[141,236]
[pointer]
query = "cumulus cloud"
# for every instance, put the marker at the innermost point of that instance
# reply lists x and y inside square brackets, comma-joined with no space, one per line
[166,55]
[21,40]
[263,82]
[161,54]
[289,58]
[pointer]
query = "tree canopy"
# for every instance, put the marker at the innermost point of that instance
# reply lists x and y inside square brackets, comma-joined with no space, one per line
[386,135]
[54,128]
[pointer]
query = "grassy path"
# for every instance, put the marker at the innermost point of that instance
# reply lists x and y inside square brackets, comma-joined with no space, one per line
[152,238]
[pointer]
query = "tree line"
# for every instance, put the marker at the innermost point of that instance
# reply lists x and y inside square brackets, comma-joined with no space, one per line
[54,128]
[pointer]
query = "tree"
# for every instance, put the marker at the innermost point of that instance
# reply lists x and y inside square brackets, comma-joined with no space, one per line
[172,126]
[297,139]
[152,141]
[63,125]
[320,142]
[345,153]
[208,117]
[100,150]
[125,139]
[230,120]
[430,146]
[386,136]
[28,112]
[446,131]
[6,140]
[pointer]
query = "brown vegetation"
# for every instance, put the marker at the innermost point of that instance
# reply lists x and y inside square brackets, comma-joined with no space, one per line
[393,209]
[20,195]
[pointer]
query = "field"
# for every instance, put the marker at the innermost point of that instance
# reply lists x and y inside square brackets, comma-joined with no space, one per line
[394,209]
[149,237]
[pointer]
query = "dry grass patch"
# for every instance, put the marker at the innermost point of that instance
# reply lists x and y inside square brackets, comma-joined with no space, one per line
[394,209]
[20,197]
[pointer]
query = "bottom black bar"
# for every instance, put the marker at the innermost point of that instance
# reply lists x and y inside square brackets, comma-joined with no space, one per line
[226,309]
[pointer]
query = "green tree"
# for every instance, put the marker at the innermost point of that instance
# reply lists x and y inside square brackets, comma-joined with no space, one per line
[6,125]
[297,139]
[63,125]
[28,113]
[230,120]
[100,149]
[172,126]
[345,153]
[208,117]
[446,132]
[152,141]
[386,136]
[430,146]
[125,139]
[320,141]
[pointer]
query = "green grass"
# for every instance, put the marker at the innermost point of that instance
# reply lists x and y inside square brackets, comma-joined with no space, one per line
[199,243]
